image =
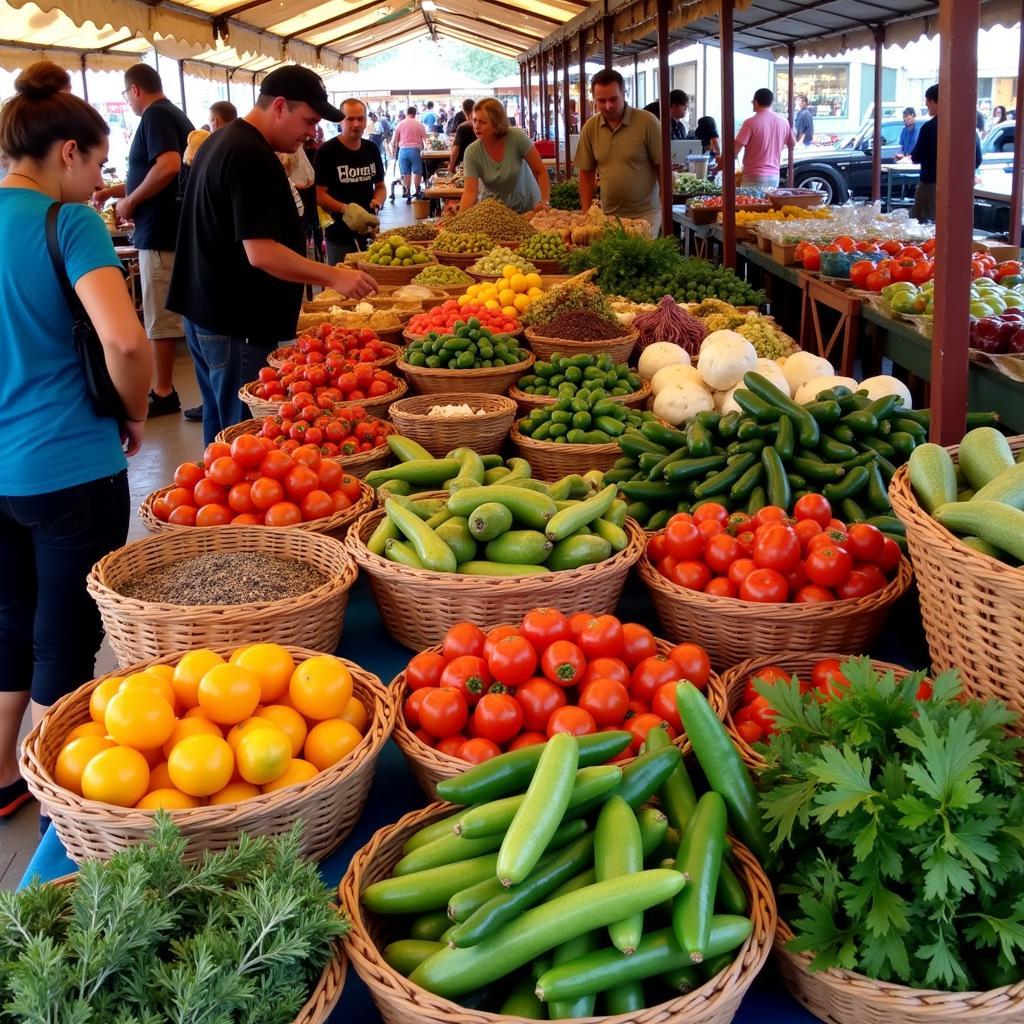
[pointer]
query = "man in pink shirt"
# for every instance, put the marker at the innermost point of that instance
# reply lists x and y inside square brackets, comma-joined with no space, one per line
[407,144]
[763,137]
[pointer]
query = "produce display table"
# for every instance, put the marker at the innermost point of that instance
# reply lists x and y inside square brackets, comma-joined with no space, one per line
[902,174]
[439,194]
[697,238]
[844,336]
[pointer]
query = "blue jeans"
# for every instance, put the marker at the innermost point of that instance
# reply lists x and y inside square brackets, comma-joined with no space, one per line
[223,364]
[50,627]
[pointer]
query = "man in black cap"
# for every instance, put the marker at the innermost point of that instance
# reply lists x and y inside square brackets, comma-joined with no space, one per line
[241,262]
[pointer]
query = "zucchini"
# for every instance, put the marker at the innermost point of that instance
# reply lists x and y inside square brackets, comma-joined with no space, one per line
[984,454]
[932,476]
[992,521]
[1007,487]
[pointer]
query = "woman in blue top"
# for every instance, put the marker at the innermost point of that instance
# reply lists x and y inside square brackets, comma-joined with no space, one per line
[63,478]
[503,163]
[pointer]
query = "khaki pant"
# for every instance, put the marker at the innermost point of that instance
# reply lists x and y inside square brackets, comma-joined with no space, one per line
[155,276]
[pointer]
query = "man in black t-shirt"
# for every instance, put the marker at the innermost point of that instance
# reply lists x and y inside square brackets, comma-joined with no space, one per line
[464,136]
[149,197]
[241,258]
[349,170]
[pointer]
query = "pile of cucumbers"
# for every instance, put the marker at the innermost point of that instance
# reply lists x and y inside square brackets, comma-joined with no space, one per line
[842,445]
[559,890]
[568,375]
[585,418]
[470,346]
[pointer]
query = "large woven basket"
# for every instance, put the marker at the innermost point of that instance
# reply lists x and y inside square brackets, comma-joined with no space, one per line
[280,356]
[401,1002]
[358,465]
[140,630]
[328,805]
[439,435]
[845,997]
[392,275]
[731,630]
[269,407]
[493,380]
[333,526]
[619,349]
[419,606]
[552,461]
[527,402]
[972,605]
[430,766]
[798,663]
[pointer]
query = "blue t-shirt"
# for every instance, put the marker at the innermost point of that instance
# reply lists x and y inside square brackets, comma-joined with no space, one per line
[55,439]
[908,138]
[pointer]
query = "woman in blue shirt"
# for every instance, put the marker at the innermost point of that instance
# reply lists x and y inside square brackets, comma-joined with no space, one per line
[63,480]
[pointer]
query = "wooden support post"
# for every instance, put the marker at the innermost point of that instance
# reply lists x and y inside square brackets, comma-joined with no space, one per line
[528,127]
[876,141]
[555,51]
[607,28]
[1017,187]
[542,71]
[523,123]
[728,135]
[181,83]
[790,104]
[582,44]
[566,106]
[665,184]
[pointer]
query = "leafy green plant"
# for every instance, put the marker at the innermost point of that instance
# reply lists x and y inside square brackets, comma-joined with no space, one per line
[898,830]
[239,938]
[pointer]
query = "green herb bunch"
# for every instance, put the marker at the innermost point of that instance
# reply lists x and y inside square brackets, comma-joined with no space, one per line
[239,938]
[898,830]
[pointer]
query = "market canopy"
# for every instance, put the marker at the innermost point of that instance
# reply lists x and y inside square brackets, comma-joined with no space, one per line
[401,78]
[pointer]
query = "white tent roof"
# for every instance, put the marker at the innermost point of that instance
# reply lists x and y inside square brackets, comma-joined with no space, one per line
[401,77]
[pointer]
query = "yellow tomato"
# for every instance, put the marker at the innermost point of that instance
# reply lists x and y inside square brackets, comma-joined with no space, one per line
[101,697]
[522,303]
[328,742]
[321,687]
[509,271]
[510,311]
[153,757]
[518,283]
[160,777]
[139,717]
[506,296]
[355,714]
[297,771]
[290,722]
[201,765]
[473,290]
[165,672]
[272,665]
[492,304]
[533,281]
[167,799]
[118,776]
[152,681]
[236,732]
[235,793]
[229,694]
[194,726]
[535,293]
[187,673]
[237,653]
[464,298]
[71,761]
[88,729]
[263,754]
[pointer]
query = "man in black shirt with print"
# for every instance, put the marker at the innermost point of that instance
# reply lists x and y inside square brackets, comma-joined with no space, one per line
[349,172]
[241,260]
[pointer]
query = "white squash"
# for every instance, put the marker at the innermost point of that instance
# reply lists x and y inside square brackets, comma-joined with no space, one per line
[883,385]
[659,355]
[808,391]
[679,373]
[677,403]
[724,357]
[804,366]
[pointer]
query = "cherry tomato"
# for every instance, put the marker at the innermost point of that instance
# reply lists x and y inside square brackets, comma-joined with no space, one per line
[183,515]
[411,708]
[692,575]
[828,565]
[693,663]
[813,594]
[187,475]
[641,725]
[749,732]
[657,547]
[527,739]
[463,638]
[777,547]
[563,663]
[284,513]
[827,677]
[512,660]
[652,673]
[637,643]
[215,450]
[924,691]
[609,668]
[450,744]
[266,492]
[890,557]
[764,586]
[543,626]
[864,580]
[601,637]
[572,720]
[866,542]
[663,704]
[468,675]
[424,670]
[712,510]
[684,541]
[606,700]
[498,717]
[771,674]
[813,507]
[443,711]
[478,750]
[722,586]
[741,569]
[214,515]
[209,492]
[762,714]
[540,699]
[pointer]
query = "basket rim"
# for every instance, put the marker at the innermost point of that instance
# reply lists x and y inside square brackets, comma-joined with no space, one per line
[507,407]
[246,395]
[530,334]
[642,393]
[482,373]
[528,444]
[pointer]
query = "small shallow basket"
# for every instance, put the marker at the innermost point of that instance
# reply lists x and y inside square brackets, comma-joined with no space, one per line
[392,275]
[972,605]
[551,461]
[619,349]
[527,402]
[140,630]
[334,525]
[462,260]
[266,407]
[328,805]
[731,630]
[280,356]
[798,663]
[484,434]
[838,995]
[430,766]
[418,606]
[358,465]
[492,380]
[399,1001]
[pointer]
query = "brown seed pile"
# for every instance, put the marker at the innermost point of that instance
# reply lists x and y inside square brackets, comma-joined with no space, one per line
[243,577]
[494,219]
[581,325]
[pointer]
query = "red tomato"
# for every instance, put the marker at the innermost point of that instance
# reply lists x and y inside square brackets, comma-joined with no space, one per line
[663,704]
[424,670]
[762,714]
[276,464]
[498,717]
[162,508]
[214,515]
[240,498]
[797,578]
[637,643]
[922,272]
[284,513]
[657,547]
[722,586]
[864,580]
[720,552]
[827,677]
[300,481]
[351,487]
[247,451]
[911,252]
[859,272]
[749,732]
[215,450]
[463,638]
[329,474]
[512,660]
[866,542]
[209,492]
[478,750]
[771,674]
[740,570]
[806,530]
[667,567]
[609,668]
[178,496]
[827,564]
[572,720]
[543,626]
[183,515]
[878,280]
[692,575]
[443,711]
[764,586]
[813,594]
[469,675]
[812,258]
[844,242]
[684,541]
[527,739]
[493,636]
[710,528]
[712,510]
[606,700]
[563,663]
[265,492]
[693,663]
[577,622]
[540,699]
[187,475]
[316,505]
[769,514]
[641,725]
[745,539]
[924,691]
[776,547]
[815,507]
[450,745]
[890,557]
[652,673]
[601,637]
[411,708]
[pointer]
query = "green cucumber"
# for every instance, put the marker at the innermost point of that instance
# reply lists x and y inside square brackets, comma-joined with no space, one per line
[698,439]
[731,897]
[467,901]
[724,479]
[785,439]
[455,533]
[495,475]
[578,550]
[531,508]
[488,521]
[519,547]
[403,553]
[583,1006]
[625,998]
[807,428]
[819,472]
[405,449]
[691,469]
[932,476]
[430,927]
[471,466]
[983,547]
[877,493]
[522,1001]
[983,454]
[677,796]
[835,451]
[852,483]
[481,568]
[447,850]
[427,890]
[406,955]
[432,551]
[615,535]
[996,523]
[776,481]
[744,487]
[569,520]
[429,833]
[1007,487]
[385,531]
[700,859]
[618,852]
[422,472]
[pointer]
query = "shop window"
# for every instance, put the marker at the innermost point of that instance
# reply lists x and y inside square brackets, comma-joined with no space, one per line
[826,86]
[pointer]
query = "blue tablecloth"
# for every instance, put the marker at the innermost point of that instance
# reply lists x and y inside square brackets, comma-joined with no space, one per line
[395,793]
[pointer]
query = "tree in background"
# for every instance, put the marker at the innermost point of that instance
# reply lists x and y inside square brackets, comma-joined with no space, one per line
[484,66]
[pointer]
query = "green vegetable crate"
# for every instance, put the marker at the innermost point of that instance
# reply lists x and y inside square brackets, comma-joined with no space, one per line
[402,1002]
[493,380]
[551,461]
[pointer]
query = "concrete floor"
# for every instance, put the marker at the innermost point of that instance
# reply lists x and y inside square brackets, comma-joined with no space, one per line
[169,441]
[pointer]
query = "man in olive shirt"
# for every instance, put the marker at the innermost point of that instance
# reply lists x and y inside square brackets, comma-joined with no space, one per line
[624,145]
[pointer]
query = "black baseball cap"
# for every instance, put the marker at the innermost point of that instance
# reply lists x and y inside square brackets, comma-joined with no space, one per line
[300,85]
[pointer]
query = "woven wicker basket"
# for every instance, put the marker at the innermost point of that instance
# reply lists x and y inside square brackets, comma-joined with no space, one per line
[269,407]
[358,465]
[548,266]
[419,606]
[845,996]
[972,605]
[551,461]
[401,1002]
[410,337]
[619,349]
[392,275]
[430,766]
[462,260]
[731,630]
[140,630]
[492,380]
[799,663]
[484,434]
[332,526]
[527,402]
[328,805]
[279,356]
